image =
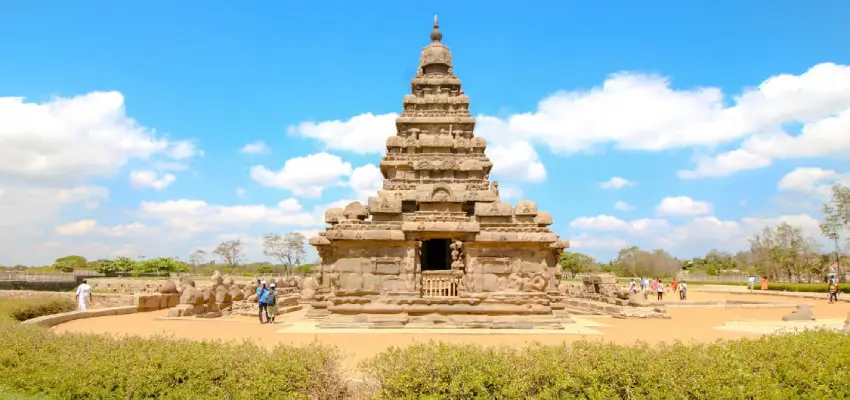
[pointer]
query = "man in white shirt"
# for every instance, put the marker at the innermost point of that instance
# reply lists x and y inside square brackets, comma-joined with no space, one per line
[83,295]
[751,282]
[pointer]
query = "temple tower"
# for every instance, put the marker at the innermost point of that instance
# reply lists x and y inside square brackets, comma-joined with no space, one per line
[437,245]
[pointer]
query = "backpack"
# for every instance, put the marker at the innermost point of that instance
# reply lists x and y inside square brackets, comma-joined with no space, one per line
[271,298]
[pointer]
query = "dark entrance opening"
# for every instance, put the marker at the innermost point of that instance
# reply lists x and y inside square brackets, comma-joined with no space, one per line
[436,255]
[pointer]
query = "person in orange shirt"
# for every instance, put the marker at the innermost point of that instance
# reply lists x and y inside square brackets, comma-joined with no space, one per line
[675,285]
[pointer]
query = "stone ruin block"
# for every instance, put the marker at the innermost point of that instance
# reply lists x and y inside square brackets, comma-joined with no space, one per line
[147,301]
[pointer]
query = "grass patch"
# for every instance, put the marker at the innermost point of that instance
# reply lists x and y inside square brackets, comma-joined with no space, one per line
[811,365]
[24,309]
[75,366]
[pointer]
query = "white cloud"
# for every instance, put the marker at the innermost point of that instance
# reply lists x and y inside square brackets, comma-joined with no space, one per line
[150,180]
[616,182]
[240,193]
[694,236]
[810,180]
[585,241]
[69,140]
[258,147]
[510,192]
[633,111]
[516,161]
[623,206]
[24,208]
[818,98]
[305,176]
[194,216]
[366,181]
[682,206]
[290,205]
[362,134]
[90,227]
[604,222]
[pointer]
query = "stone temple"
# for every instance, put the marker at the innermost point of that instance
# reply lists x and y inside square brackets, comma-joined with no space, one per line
[437,247]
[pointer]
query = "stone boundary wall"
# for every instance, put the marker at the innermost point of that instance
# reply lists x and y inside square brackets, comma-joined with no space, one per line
[48,321]
[53,286]
[100,300]
[132,285]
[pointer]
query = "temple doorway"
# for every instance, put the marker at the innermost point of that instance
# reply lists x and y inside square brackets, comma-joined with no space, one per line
[436,255]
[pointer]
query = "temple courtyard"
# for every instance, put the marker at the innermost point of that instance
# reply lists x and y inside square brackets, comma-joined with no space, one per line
[704,317]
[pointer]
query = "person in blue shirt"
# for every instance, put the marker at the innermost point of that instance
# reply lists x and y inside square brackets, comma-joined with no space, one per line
[270,300]
[261,293]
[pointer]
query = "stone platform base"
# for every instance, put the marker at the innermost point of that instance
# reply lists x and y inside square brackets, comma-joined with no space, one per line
[437,321]
[590,307]
[280,310]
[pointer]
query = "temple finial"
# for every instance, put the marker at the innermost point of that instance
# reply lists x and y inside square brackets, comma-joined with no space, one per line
[436,35]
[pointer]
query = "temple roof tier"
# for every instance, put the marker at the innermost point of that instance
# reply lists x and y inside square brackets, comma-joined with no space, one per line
[436,99]
[435,119]
[433,80]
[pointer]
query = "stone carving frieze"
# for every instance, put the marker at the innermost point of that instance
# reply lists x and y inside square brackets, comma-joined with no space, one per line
[384,205]
[525,208]
[494,209]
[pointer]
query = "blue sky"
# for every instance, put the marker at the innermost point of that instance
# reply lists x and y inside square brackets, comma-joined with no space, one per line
[127,140]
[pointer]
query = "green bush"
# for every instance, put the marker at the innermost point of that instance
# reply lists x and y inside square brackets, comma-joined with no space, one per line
[811,365]
[803,287]
[24,309]
[74,366]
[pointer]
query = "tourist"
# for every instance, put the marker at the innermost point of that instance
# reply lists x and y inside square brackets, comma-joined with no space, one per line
[675,285]
[632,286]
[683,291]
[83,295]
[659,287]
[654,285]
[261,292]
[271,303]
[833,291]
[764,282]
[751,282]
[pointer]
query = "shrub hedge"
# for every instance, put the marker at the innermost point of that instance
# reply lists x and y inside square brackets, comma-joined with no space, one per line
[34,360]
[803,287]
[811,365]
[24,309]
[39,363]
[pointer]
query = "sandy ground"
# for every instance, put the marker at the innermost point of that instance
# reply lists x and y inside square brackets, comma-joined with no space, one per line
[686,324]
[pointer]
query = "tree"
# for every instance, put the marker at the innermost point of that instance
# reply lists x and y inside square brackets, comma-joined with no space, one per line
[265,269]
[160,265]
[230,252]
[575,263]
[836,219]
[197,257]
[124,264]
[632,261]
[784,252]
[287,249]
[70,263]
